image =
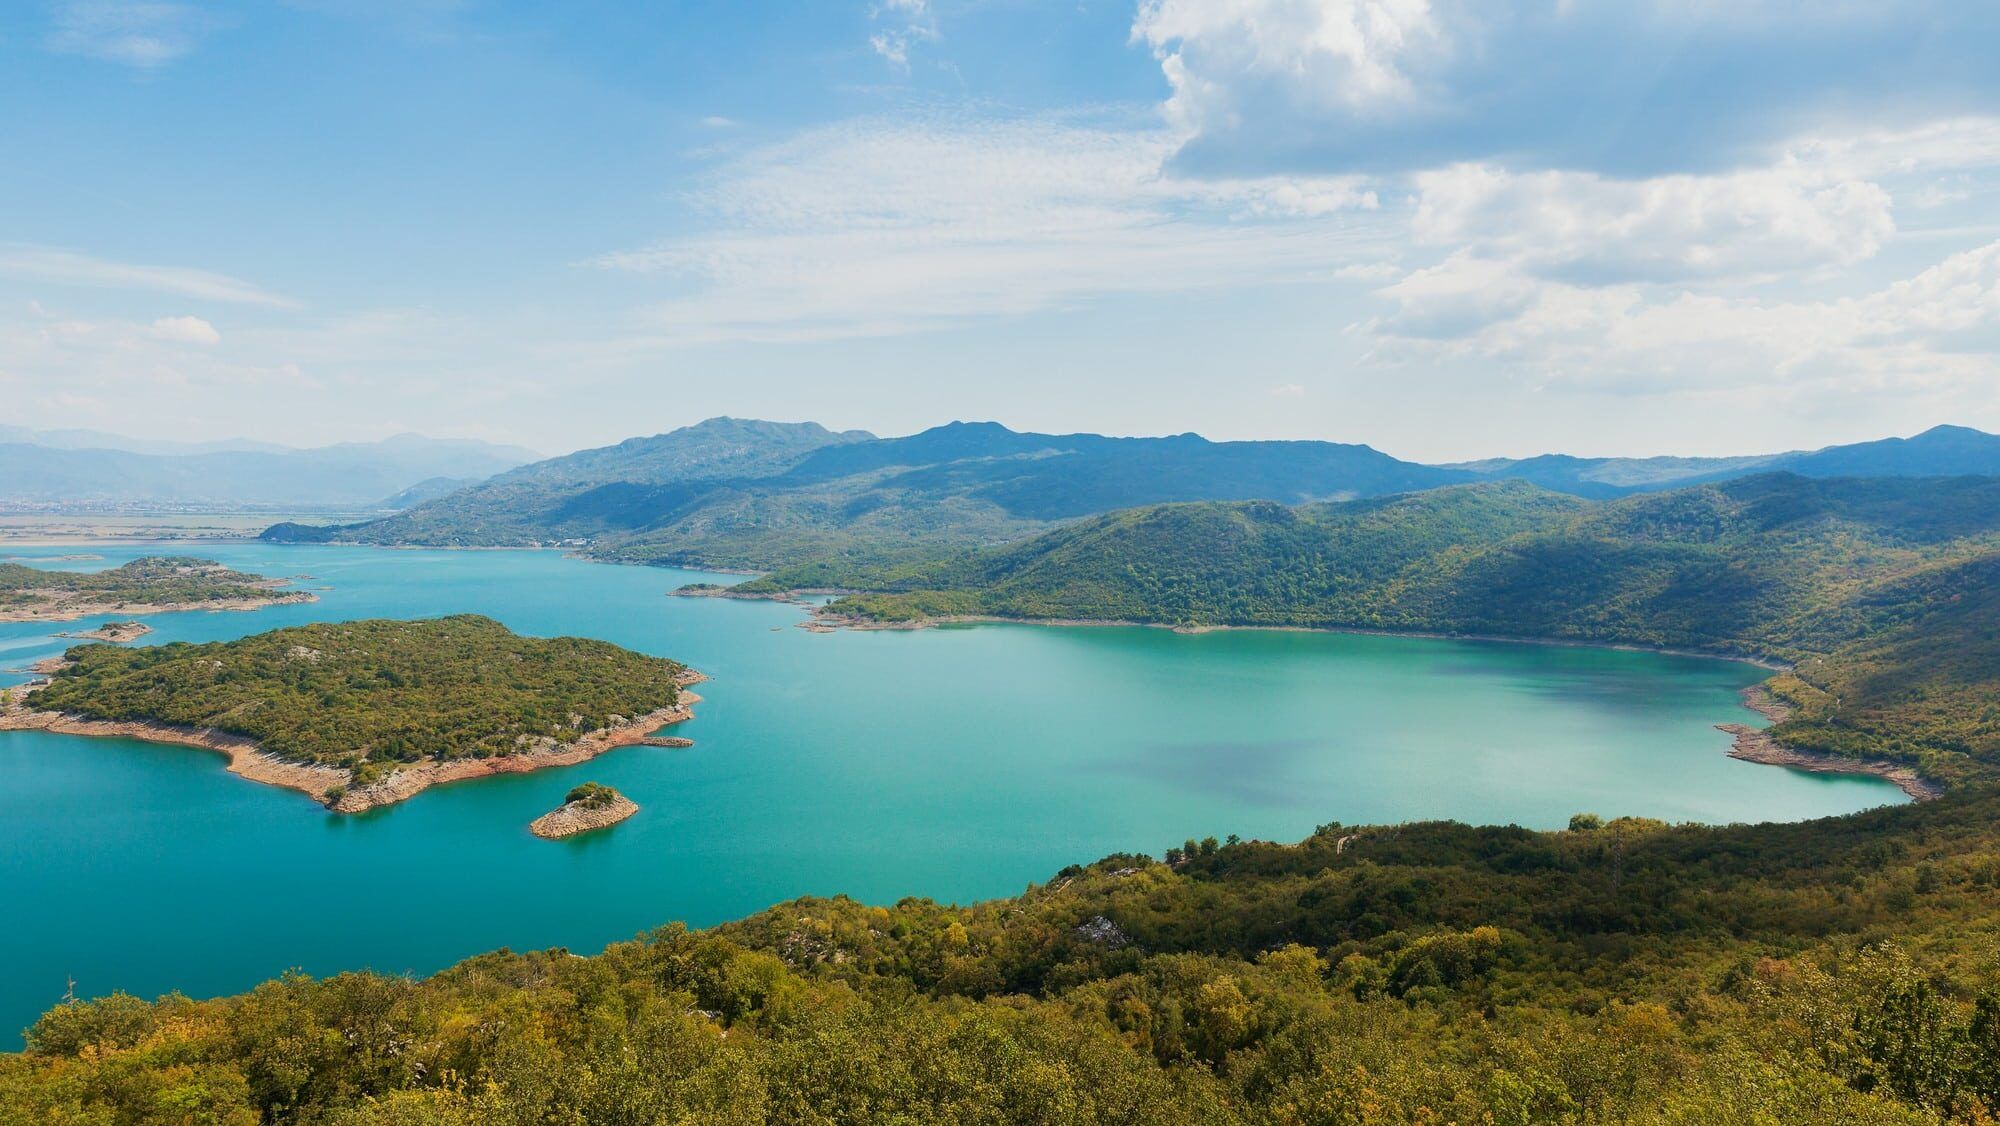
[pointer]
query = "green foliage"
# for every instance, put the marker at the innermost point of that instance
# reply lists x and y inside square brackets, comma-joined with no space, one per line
[368,693]
[151,581]
[1838,971]
[592,795]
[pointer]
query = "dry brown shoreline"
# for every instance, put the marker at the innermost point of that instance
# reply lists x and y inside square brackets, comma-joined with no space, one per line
[117,633]
[64,612]
[329,785]
[569,819]
[1755,744]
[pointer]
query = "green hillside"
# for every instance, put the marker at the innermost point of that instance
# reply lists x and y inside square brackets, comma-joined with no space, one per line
[1881,591]
[737,493]
[1836,971]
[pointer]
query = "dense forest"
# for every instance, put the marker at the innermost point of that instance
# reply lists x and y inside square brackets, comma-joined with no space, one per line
[1622,971]
[366,694]
[152,581]
[1884,593]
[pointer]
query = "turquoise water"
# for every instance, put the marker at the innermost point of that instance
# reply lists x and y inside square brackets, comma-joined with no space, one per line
[954,763]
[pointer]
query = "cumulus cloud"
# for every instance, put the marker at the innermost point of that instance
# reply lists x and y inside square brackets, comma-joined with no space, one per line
[70,268]
[1937,328]
[1390,85]
[137,33]
[1585,226]
[876,227]
[185,330]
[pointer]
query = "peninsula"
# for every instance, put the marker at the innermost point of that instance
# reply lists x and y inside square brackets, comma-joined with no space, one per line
[368,713]
[152,585]
[587,807]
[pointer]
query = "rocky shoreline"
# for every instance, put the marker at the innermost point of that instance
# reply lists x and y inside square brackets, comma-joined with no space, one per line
[117,633]
[1753,744]
[330,785]
[59,611]
[576,817]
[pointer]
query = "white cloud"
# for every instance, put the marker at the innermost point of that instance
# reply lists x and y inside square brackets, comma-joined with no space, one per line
[1935,330]
[1632,88]
[139,33]
[1765,221]
[871,228]
[910,23]
[185,330]
[1288,391]
[1334,56]
[70,268]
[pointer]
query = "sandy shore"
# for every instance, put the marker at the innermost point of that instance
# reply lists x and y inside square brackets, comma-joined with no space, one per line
[329,785]
[569,820]
[1756,745]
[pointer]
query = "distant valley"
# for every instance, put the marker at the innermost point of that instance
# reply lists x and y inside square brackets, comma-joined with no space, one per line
[82,470]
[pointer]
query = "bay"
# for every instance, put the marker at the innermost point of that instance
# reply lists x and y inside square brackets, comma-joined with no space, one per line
[958,763]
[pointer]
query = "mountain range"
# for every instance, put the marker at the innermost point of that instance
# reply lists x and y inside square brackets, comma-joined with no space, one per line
[80,467]
[754,494]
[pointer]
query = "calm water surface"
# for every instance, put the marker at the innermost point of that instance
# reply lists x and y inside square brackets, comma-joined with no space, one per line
[954,763]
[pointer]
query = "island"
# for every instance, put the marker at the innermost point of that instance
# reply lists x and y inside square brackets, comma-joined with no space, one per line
[117,633]
[366,713]
[151,585]
[587,807]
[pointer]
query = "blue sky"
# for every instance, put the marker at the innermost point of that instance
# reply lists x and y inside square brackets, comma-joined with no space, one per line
[1449,229]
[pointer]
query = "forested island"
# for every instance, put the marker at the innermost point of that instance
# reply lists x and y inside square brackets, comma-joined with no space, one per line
[366,713]
[1623,971]
[1878,599]
[152,585]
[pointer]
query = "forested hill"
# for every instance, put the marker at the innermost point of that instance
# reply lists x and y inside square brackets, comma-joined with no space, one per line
[731,492]
[1885,592]
[1625,972]
[743,493]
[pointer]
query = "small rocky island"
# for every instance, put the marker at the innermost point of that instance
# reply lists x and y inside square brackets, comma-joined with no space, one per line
[589,806]
[117,633]
[153,585]
[367,713]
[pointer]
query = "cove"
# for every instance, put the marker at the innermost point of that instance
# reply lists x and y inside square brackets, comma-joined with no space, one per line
[958,763]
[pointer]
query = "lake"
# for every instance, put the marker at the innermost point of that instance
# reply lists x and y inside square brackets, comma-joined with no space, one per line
[957,763]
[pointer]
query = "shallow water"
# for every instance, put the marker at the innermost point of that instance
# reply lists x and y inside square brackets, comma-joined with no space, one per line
[957,763]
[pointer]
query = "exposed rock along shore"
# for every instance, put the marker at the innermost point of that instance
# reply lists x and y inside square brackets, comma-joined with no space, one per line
[331,785]
[576,817]
[1756,745]
[61,611]
[117,633]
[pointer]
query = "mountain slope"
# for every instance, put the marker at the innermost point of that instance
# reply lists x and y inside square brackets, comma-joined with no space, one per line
[737,493]
[1942,451]
[593,492]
